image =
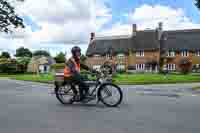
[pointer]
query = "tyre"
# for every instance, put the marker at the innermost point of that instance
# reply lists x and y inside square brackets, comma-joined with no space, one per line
[110,94]
[64,94]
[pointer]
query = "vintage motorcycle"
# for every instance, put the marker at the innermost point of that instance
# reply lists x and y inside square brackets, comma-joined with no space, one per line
[101,89]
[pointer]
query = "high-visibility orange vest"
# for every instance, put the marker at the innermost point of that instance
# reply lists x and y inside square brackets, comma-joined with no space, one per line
[67,72]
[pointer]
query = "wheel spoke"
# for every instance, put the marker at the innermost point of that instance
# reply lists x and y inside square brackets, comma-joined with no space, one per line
[111,95]
[65,94]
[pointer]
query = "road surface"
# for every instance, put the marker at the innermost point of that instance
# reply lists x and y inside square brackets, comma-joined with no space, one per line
[30,108]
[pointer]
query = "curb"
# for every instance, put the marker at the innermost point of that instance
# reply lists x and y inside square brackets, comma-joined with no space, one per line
[167,95]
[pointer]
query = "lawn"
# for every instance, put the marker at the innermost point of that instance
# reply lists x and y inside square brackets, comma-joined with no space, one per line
[121,78]
[31,77]
[155,78]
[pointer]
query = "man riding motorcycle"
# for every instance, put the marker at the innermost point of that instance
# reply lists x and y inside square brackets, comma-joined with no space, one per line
[72,72]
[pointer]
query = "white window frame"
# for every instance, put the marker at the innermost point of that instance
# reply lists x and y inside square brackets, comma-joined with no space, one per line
[198,53]
[120,56]
[108,56]
[171,53]
[140,53]
[96,67]
[140,66]
[120,67]
[197,65]
[184,53]
[96,56]
[171,67]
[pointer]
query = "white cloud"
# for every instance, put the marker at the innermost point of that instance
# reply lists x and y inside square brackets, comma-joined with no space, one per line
[65,21]
[148,17]
[61,21]
[117,29]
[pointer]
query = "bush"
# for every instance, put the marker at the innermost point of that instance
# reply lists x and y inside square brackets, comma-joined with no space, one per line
[60,58]
[58,66]
[8,66]
[185,68]
[121,71]
[185,65]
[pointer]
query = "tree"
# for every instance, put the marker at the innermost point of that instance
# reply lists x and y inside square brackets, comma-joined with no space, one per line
[8,17]
[5,55]
[22,63]
[41,53]
[197,3]
[60,58]
[23,52]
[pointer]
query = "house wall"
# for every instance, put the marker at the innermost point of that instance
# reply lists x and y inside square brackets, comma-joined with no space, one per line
[195,59]
[148,55]
[127,60]
[32,67]
[91,61]
[176,60]
[131,59]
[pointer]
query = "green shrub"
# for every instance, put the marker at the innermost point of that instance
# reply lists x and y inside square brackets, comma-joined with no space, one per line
[8,68]
[8,65]
[58,66]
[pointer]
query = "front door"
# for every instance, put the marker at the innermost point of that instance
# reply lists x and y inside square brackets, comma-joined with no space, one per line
[45,68]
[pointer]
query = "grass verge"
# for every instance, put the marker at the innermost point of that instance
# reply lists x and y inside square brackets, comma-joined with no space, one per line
[120,79]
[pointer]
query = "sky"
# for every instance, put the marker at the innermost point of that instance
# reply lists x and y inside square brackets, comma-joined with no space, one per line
[58,25]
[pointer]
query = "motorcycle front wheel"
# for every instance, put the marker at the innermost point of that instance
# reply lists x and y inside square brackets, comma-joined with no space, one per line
[110,94]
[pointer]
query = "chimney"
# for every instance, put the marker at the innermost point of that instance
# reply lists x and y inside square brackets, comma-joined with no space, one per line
[92,36]
[160,30]
[134,28]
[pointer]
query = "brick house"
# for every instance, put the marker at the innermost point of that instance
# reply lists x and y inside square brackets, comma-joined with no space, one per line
[143,50]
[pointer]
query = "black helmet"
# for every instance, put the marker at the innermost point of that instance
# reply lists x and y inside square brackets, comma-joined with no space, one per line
[75,49]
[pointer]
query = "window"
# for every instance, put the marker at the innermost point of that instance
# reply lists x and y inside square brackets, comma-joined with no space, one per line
[96,56]
[171,53]
[184,53]
[198,53]
[120,67]
[140,53]
[108,56]
[96,67]
[120,56]
[171,67]
[140,66]
[197,65]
